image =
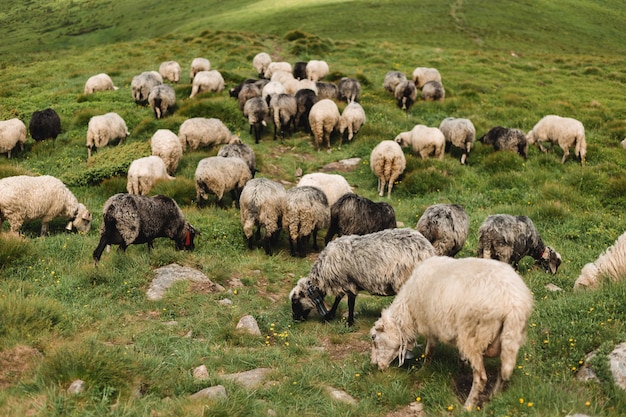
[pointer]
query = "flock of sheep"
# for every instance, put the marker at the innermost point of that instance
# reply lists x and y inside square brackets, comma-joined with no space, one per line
[416,265]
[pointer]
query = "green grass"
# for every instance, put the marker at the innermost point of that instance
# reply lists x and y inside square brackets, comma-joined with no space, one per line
[503,63]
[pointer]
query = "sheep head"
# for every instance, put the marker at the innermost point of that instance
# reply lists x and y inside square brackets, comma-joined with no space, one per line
[306,297]
[187,242]
[82,221]
[550,260]
[387,342]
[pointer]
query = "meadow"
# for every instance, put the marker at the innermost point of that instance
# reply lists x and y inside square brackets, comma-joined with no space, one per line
[503,63]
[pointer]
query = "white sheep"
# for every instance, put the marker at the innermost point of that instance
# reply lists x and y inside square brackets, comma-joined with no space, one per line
[202,131]
[316,70]
[207,81]
[306,84]
[424,141]
[12,134]
[197,65]
[564,131]
[142,84]
[392,79]
[272,88]
[387,162]
[24,198]
[99,82]
[105,128]
[217,175]
[306,211]
[422,75]
[283,108]
[166,145]
[333,185]
[144,173]
[352,119]
[479,306]
[460,133]
[446,226]
[323,119]
[433,91]
[260,62]
[611,264]
[170,70]
[277,66]
[162,99]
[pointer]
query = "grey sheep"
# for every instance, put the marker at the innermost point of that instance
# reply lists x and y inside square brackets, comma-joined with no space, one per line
[510,238]
[162,99]
[305,99]
[256,110]
[351,121]
[459,132]
[353,214]
[99,82]
[246,92]
[422,75]
[349,89]
[44,124]
[327,90]
[305,212]
[323,119]
[142,84]
[378,263]
[242,151]
[433,91]
[217,175]
[170,70]
[129,219]
[387,162]
[506,139]
[392,79]
[207,81]
[103,129]
[234,91]
[405,94]
[197,65]
[261,205]
[283,108]
[446,226]
[12,135]
[202,131]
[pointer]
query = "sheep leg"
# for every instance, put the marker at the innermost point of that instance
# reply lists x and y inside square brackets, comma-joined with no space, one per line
[541,148]
[351,301]
[44,228]
[266,243]
[292,247]
[314,235]
[479,381]
[565,155]
[333,309]
[99,249]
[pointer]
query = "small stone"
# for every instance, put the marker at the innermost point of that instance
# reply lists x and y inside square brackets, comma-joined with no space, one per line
[553,288]
[213,393]
[201,373]
[249,324]
[341,396]
[76,387]
[225,302]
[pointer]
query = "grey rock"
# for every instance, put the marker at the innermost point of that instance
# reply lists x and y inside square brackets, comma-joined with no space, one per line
[249,324]
[249,379]
[76,387]
[340,396]
[212,393]
[167,275]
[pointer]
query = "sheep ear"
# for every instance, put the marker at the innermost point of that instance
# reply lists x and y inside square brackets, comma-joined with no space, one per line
[87,216]
[546,253]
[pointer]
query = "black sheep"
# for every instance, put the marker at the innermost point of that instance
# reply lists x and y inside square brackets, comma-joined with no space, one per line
[44,124]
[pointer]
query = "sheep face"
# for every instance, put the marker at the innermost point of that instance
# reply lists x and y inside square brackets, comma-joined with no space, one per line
[386,343]
[82,222]
[550,260]
[306,297]
[187,243]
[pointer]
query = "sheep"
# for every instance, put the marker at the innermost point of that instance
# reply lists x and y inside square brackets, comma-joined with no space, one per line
[234,92]
[349,89]
[352,119]
[433,91]
[305,212]
[610,264]
[405,94]
[240,150]
[143,173]
[218,175]
[129,219]
[304,84]
[316,70]
[248,91]
[260,62]
[564,131]
[424,141]
[44,124]
[277,66]
[99,82]
[170,70]
[103,129]
[162,99]
[166,145]
[479,306]
[460,133]
[207,81]
[323,119]
[299,70]
[283,77]
[12,135]
[202,131]
[387,162]
[422,75]
[446,226]
[24,198]
[305,99]
[378,263]
[197,65]
[271,89]
[392,79]
[503,138]
[509,238]
[353,214]
[283,108]
[333,185]
[142,84]
[326,90]
[261,204]
[256,110]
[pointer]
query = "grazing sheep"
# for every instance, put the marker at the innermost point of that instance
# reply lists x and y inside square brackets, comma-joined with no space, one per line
[378,263]
[460,133]
[446,226]
[143,173]
[306,84]
[405,94]
[248,91]
[197,65]
[271,89]
[323,119]
[392,79]
[218,175]
[170,70]
[316,70]
[349,89]
[129,219]
[260,62]
[352,214]
[433,91]
[200,131]
[326,90]
[387,162]
[240,150]
[283,108]
[277,66]
[505,139]
[99,82]
[299,70]
[352,119]
[479,306]
[12,135]
[256,110]
[261,204]
[162,99]
[234,92]
[509,238]
[422,75]
[166,145]
[283,77]
[24,198]
[424,141]
[305,99]
[44,124]
[204,81]
[564,131]
[333,185]
[103,129]
[305,212]
[610,264]
[142,84]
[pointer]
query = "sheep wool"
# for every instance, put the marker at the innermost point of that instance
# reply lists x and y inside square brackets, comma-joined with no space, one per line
[446,226]
[256,111]
[142,84]
[162,99]
[349,89]
[479,306]
[460,133]
[276,66]
[305,212]
[422,75]
[197,65]
[200,131]
[260,62]
[326,90]
[506,139]
[144,173]
[248,91]
[392,79]
[170,70]
[207,81]
[165,144]
[242,151]
[424,141]
[323,119]
[217,175]
[283,108]
[433,91]
[405,94]
[387,162]
[99,82]
[103,129]
[12,135]
[316,70]
[564,131]
[333,185]
[44,124]
[351,121]
[611,264]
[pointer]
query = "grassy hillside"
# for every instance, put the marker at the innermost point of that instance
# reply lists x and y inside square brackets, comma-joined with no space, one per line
[503,63]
